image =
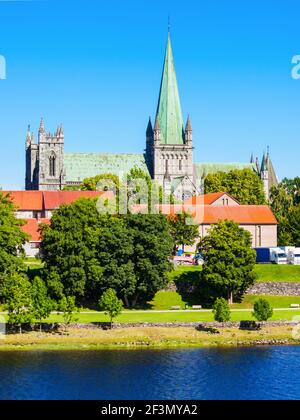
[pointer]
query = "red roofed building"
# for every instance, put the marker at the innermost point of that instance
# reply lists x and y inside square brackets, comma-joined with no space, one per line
[40,204]
[207,210]
[36,207]
[32,228]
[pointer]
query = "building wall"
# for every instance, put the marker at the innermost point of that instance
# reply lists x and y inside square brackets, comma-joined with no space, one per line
[25,214]
[31,249]
[262,235]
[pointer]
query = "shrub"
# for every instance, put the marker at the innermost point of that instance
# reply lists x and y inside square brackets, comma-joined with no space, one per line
[262,310]
[221,310]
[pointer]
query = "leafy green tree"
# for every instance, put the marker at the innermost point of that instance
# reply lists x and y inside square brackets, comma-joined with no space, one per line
[262,310]
[182,231]
[41,303]
[244,185]
[69,250]
[285,202]
[292,187]
[152,250]
[293,222]
[147,192]
[110,303]
[221,310]
[85,253]
[68,308]
[91,184]
[229,260]
[18,300]
[12,239]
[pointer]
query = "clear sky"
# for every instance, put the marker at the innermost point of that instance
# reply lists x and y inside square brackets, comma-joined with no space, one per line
[95,66]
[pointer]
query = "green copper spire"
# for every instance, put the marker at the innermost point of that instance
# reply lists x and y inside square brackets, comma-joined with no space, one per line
[169,109]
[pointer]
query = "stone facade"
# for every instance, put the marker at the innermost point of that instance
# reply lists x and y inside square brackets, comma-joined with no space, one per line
[45,160]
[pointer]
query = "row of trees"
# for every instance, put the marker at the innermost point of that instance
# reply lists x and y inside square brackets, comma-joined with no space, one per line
[285,203]
[86,253]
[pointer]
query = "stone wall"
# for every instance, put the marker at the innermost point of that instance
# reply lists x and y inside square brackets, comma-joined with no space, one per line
[268,288]
[275,289]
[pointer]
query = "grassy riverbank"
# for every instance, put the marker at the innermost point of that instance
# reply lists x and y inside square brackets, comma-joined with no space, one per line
[146,337]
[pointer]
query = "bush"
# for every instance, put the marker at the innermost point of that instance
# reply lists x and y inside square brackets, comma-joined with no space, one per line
[221,310]
[110,303]
[262,310]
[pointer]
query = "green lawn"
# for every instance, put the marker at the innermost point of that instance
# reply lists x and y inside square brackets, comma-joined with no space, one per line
[136,316]
[278,273]
[265,273]
[275,301]
[165,300]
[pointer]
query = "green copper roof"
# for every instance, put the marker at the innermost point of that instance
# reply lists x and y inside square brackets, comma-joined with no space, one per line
[169,109]
[203,169]
[84,165]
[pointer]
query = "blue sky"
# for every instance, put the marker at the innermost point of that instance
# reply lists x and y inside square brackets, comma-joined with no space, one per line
[95,66]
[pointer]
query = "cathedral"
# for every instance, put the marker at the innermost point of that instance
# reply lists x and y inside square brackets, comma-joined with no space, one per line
[168,156]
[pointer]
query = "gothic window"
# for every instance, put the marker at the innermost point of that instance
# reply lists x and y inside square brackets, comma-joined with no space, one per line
[180,165]
[52,165]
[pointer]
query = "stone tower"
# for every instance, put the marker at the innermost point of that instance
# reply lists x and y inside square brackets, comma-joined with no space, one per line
[45,160]
[267,174]
[32,162]
[169,146]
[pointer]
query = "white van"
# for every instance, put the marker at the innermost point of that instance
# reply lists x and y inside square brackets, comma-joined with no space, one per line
[295,256]
[278,256]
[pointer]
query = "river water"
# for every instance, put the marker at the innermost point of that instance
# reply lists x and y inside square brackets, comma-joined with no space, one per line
[244,373]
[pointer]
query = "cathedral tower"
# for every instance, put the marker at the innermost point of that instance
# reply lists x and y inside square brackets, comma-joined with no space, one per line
[45,160]
[169,146]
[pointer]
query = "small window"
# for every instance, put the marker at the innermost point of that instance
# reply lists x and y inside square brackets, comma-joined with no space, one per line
[259,238]
[52,165]
[180,165]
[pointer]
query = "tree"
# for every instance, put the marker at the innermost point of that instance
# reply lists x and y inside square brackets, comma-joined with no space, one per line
[145,191]
[68,307]
[18,300]
[182,232]
[12,239]
[244,185]
[91,184]
[262,310]
[293,225]
[85,253]
[41,303]
[285,203]
[229,259]
[221,310]
[69,250]
[292,187]
[152,251]
[110,303]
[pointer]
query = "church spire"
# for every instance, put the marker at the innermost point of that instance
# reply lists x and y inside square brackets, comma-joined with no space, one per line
[169,109]
[28,136]
[149,131]
[42,126]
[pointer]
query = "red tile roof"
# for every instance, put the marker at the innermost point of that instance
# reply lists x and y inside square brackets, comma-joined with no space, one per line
[26,200]
[207,214]
[244,215]
[32,228]
[49,200]
[54,199]
[207,198]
